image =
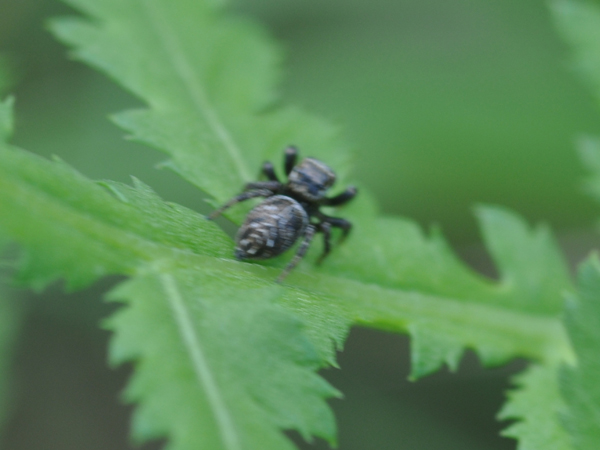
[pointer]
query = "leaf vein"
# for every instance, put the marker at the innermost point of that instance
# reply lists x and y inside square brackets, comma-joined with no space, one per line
[198,95]
[203,373]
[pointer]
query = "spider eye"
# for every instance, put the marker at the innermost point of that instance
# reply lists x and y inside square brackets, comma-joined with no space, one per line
[316,189]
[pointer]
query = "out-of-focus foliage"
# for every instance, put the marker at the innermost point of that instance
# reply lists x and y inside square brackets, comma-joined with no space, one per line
[579,22]
[579,382]
[536,404]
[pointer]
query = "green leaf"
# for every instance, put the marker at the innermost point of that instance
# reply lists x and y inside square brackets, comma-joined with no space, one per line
[537,405]
[558,406]
[209,81]
[72,227]
[43,203]
[239,368]
[579,382]
[440,294]
[579,23]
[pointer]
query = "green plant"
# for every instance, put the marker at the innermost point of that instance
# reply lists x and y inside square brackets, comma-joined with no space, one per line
[225,358]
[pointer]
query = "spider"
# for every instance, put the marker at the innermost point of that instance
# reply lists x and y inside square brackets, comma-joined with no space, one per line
[289,212]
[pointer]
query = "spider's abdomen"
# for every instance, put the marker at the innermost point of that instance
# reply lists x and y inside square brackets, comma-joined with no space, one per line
[271,228]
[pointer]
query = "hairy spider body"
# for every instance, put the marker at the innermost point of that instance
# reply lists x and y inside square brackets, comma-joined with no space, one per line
[271,228]
[290,211]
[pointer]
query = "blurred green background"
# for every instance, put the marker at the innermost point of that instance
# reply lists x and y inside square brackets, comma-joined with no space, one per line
[446,104]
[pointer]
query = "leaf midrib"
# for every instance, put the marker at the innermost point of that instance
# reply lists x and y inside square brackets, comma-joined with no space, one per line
[363,303]
[190,79]
[369,305]
[204,375]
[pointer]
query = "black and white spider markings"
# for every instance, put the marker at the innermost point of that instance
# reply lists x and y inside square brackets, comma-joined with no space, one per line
[289,212]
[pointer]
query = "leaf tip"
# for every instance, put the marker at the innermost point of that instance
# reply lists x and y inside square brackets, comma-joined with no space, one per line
[430,350]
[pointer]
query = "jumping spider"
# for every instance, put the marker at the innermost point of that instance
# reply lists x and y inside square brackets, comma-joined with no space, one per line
[290,211]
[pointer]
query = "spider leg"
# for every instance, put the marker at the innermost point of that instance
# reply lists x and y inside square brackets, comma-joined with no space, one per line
[337,222]
[240,198]
[269,171]
[308,236]
[342,198]
[291,155]
[271,185]
[325,227]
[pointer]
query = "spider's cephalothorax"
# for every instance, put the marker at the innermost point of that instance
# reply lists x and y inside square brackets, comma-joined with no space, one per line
[290,211]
